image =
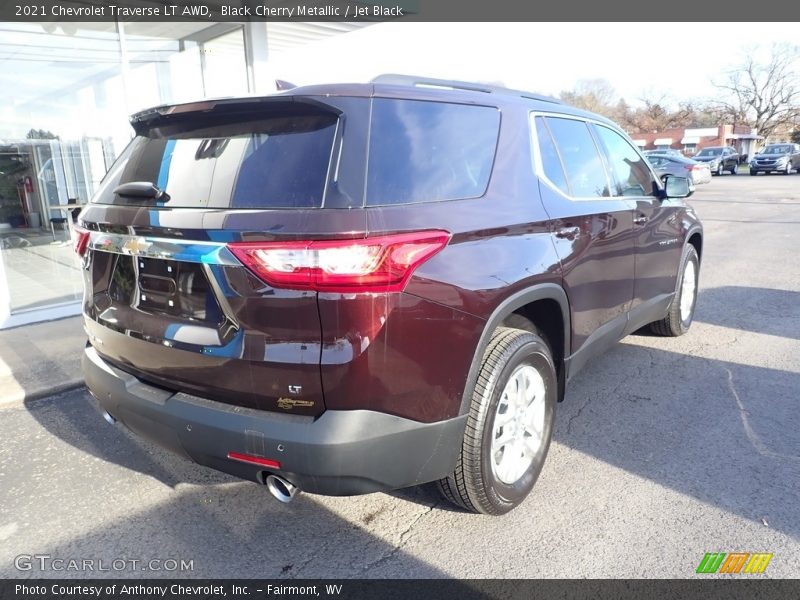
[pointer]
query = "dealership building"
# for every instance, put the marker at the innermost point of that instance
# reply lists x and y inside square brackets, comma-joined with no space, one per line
[67,90]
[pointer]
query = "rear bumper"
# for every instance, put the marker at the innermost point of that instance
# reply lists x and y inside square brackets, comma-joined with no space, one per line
[339,453]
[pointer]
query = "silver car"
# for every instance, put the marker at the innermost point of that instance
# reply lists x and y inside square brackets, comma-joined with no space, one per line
[780,158]
[681,166]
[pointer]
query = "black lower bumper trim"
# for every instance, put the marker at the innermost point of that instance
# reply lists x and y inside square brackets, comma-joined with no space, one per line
[340,453]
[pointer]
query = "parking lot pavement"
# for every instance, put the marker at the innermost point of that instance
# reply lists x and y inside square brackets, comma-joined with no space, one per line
[664,449]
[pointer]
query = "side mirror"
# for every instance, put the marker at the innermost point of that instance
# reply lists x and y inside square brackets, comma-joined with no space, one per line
[677,187]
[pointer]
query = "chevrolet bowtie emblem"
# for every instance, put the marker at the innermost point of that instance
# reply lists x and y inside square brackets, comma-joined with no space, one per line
[136,245]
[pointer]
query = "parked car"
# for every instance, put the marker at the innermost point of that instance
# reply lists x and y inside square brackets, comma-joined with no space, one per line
[351,288]
[664,152]
[780,158]
[719,159]
[681,166]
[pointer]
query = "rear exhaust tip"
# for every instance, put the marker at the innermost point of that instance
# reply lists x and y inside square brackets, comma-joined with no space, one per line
[282,490]
[109,417]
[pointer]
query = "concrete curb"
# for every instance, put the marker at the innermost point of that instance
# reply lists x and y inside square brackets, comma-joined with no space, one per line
[39,360]
[39,394]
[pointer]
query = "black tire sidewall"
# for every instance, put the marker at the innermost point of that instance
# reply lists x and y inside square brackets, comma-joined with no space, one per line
[502,495]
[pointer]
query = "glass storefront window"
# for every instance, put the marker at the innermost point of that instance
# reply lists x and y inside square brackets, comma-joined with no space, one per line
[66,91]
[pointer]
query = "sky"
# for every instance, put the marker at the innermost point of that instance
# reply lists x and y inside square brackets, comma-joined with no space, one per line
[678,60]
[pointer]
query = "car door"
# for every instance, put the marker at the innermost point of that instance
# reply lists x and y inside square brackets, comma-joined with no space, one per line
[657,228]
[593,232]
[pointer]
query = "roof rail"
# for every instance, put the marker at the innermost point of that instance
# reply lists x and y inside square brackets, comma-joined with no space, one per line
[429,82]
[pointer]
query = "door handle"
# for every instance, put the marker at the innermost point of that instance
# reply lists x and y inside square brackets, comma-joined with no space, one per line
[569,233]
[640,220]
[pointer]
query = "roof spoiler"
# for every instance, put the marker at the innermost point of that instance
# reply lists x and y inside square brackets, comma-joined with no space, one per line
[246,107]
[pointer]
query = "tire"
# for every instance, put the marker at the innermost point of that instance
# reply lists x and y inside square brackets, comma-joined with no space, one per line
[493,480]
[788,169]
[734,169]
[720,169]
[678,319]
[753,173]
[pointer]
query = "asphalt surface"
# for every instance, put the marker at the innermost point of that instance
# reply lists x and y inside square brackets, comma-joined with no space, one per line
[664,449]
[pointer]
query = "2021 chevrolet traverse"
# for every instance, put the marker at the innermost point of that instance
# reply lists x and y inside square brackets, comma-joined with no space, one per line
[351,288]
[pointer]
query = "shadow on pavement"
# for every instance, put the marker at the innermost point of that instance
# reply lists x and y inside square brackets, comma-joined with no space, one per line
[760,310]
[230,528]
[722,432]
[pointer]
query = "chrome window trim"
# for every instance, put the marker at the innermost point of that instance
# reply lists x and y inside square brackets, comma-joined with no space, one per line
[538,168]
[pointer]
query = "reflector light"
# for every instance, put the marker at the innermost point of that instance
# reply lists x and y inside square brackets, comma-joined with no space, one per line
[80,240]
[373,264]
[254,460]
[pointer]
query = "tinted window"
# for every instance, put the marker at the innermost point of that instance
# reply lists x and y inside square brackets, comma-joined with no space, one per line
[710,152]
[551,163]
[584,168]
[422,151]
[631,173]
[280,162]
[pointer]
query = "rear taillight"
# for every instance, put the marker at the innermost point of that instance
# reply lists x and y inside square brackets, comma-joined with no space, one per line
[373,264]
[80,240]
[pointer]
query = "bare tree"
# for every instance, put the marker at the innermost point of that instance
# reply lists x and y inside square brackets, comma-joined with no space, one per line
[764,94]
[656,114]
[595,95]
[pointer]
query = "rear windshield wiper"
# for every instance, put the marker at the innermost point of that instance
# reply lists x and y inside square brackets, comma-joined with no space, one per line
[142,190]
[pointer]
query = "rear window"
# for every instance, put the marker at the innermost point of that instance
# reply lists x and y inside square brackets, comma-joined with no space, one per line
[279,162]
[424,151]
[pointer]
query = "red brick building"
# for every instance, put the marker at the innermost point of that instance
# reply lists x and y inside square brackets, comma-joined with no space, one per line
[691,140]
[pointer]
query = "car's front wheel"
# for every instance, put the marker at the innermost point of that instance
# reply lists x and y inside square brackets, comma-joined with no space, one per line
[681,309]
[788,169]
[509,426]
[753,173]
[720,169]
[734,169]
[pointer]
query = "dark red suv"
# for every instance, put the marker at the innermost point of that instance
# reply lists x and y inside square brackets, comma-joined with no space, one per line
[350,288]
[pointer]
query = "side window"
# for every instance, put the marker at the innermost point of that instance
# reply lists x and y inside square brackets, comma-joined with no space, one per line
[425,151]
[551,162]
[630,170]
[584,167]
